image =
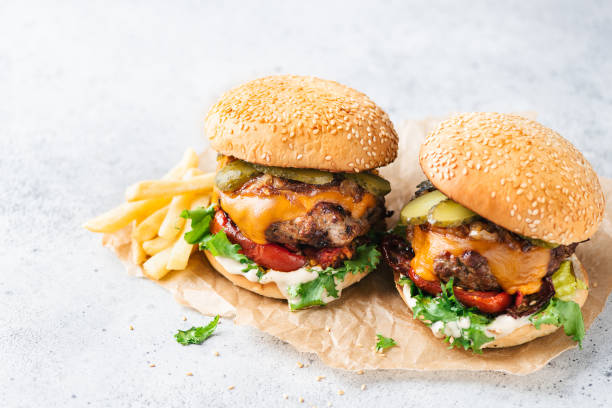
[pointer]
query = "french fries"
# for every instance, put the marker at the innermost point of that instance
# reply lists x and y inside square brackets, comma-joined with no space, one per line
[121,216]
[137,253]
[153,208]
[155,266]
[173,223]
[155,245]
[168,188]
[148,228]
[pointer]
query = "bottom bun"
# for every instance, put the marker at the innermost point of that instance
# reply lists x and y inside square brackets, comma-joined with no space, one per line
[270,289]
[529,332]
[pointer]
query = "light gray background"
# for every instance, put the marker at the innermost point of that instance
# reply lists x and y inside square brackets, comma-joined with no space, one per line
[98,95]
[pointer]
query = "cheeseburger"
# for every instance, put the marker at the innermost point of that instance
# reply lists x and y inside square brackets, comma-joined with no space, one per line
[297,198]
[484,255]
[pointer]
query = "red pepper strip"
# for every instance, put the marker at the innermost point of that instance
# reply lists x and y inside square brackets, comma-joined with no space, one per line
[486,302]
[519,299]
[270,256]
[431,287]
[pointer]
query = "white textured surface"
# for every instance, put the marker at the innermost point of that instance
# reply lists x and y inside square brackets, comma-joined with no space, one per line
[97,95]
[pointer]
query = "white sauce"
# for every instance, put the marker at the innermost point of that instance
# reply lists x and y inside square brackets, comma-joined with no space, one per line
[283,280]
[501,326]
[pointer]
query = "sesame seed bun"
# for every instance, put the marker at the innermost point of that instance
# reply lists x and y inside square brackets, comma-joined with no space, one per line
[270,289]
[528,332]
[517,173]
[303,122]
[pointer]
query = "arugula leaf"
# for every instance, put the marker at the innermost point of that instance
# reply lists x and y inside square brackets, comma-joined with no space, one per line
[311,293]
[200,223]
[447,309]
[384,343]
[218,244]
[197,335]
[404,280]
[562,313]
[365,256]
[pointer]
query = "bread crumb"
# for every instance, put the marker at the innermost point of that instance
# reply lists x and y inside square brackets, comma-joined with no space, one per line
[231,387]
[340,392]
[300,365]
[189,374]
[320,377]
[360,372]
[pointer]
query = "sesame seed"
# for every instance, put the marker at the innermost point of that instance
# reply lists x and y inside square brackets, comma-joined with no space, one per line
[285,396]
[189,374]
[320,377]
[231,387]
[152,365]
[216,354]
[363,387]
[340,392]
[131,327]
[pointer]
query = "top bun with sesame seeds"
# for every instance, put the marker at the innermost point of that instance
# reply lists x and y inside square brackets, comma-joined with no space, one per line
[302,122]
[516,173]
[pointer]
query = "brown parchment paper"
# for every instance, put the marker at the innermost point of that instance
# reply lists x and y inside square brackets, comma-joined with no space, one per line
[343,333]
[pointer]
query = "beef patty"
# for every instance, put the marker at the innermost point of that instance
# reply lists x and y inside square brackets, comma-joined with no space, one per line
[469,271]
[326,224]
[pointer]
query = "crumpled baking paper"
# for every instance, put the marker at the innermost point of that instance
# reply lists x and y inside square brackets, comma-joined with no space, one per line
[343,333]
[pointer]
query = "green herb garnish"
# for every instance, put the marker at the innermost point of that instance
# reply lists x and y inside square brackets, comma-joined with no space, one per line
[384,343]
[197,335]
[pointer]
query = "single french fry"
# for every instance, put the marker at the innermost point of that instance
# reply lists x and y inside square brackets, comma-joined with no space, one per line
[155,245]
[148,228]
[155,266]
[200,201]
[190,160]
[181,251]
[138,254]
[122,215]
[173,222]
[164,188]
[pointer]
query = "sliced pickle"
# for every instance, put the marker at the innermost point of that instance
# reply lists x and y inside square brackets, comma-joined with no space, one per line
[449,214]
[234,174]
[308,176]
[415,212]
[371,182]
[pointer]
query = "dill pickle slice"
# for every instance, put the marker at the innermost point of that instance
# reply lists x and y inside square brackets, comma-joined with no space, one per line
[449,214]
[371,182]
[234,174]
[415,212]
[308,176]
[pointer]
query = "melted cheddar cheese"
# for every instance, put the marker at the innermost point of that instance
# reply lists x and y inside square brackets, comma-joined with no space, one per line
[514,269]
[253,214]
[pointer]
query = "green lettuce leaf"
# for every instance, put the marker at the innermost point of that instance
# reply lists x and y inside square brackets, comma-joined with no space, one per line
[311,293]
[384,343]
[200,223]
[218,244]
[447,309]
[562,313]
[197,335]
[365,256]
